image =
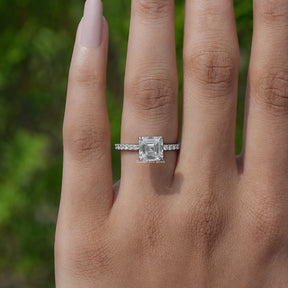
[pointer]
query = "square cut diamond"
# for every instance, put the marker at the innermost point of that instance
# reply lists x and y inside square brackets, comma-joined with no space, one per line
[151,149]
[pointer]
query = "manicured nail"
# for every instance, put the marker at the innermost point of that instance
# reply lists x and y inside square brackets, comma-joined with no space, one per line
[91,30]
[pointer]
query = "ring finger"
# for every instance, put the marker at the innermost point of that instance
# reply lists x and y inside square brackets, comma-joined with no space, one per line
[151,88]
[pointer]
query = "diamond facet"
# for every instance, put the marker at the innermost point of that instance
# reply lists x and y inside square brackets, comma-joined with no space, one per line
[151,149]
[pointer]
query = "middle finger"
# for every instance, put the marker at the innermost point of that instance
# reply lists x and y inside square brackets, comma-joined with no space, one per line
[210,76]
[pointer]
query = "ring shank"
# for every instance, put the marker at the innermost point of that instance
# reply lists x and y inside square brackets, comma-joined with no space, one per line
[132,147]
[126,147]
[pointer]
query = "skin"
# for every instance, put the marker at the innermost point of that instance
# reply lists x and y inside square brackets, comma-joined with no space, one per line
[205,218]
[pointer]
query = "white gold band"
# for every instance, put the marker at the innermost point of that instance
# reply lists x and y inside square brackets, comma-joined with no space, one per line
[132,147]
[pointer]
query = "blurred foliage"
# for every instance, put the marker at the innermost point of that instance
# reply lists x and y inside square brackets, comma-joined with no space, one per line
[36,41]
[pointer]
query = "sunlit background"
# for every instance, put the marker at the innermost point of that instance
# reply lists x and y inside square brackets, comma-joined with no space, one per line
[36,41]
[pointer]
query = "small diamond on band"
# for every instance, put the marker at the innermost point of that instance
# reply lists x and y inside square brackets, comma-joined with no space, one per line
[151,149]
[127,147]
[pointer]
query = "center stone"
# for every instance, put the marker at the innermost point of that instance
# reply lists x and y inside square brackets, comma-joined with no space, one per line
[151,149]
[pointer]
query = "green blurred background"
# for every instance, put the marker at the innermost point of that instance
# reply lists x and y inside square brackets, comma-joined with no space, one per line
[36,41]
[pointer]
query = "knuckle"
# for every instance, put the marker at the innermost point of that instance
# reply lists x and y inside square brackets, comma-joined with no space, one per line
[209,221]
[151,231]
[153,9]
[274,11]
[203,220]
[87,254]
[85,76]
[151,222]
[151,95]
[91,258]
[147,224]
[267,223]
[85,140]
[214,69]
[92,261]
[272,91]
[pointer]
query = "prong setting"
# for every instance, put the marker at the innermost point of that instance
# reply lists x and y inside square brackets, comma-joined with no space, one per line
[151,149]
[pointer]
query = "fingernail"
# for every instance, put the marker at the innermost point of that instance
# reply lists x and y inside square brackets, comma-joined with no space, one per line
[91,30]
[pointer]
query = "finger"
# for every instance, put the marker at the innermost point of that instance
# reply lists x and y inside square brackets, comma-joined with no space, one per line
[210,76]
[87,177]
[151,87]
[266,149]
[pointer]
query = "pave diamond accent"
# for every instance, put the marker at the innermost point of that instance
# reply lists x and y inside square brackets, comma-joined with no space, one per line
[171,147]
[128,147]
[151,149]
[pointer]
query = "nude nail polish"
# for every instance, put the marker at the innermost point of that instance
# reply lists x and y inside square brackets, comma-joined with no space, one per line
[91,27]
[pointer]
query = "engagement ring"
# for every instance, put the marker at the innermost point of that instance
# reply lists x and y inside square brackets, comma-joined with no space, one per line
[151,149]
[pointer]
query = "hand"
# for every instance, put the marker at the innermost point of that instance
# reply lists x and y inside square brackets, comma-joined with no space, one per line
[204,218]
